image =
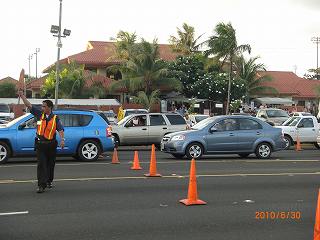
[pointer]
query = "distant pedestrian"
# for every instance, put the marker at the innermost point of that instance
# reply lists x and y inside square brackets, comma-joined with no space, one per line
[45,141]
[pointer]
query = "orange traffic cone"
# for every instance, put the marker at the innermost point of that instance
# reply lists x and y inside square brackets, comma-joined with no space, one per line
[298,145]
[136,163]
[115,159]
[316,231]
[192,190]
[153,164]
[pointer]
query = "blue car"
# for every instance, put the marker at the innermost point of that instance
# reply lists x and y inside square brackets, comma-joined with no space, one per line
[87,134]
[241,135]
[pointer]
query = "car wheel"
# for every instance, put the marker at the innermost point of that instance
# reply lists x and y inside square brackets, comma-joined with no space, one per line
[263,150]
[116,141]
[317,145]
[194,150]
[288,141]
[5,152]
[244,155]
[89,150]
[177,155]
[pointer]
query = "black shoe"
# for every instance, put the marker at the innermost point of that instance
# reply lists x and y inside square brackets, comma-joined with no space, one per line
[49,185]
[40,189]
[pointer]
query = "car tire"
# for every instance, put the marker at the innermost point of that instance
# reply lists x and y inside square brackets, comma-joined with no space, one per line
[194,150]
[177,155]
[244,155]
[288,141]
[5,152]
[89,150]
[317,145]
[116,141]
[263,150]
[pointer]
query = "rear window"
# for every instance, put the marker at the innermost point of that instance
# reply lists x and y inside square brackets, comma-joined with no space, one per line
[75,120]
[176,119]
[104,117]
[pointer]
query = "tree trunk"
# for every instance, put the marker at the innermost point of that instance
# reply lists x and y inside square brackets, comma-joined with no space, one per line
[229,87]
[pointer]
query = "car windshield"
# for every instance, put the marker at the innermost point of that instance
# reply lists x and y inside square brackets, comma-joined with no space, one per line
[123,120]
[200,118]
[203,123]
[277,113]
[292,121]
[11,123]
[4,108]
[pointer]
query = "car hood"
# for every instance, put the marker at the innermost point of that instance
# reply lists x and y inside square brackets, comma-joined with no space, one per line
[185,132]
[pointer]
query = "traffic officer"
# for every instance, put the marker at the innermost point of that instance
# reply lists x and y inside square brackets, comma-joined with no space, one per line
[45,141]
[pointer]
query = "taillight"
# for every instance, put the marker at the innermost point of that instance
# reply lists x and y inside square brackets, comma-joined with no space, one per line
[282,134]
[109,131]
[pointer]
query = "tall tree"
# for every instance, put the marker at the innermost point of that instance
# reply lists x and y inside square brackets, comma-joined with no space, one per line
[185,43]
[145,100]
[145,71]
[249,71]
[71,84]
[312,74]
[124,44]
[8,90]
[225,47]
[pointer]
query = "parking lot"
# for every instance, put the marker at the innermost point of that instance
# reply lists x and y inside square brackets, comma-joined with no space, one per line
[99,200]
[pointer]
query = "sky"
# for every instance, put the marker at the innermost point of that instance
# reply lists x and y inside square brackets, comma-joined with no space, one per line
[279,31]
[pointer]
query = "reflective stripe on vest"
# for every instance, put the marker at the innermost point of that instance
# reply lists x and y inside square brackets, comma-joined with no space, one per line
[47,130]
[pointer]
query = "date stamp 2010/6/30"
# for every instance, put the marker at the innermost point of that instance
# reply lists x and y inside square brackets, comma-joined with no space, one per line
[282,215]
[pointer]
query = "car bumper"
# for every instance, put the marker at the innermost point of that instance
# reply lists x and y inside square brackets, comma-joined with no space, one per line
[173,147]
[108,144]
[279,145]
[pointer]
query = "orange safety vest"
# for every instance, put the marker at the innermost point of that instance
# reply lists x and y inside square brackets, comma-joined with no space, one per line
[47,130]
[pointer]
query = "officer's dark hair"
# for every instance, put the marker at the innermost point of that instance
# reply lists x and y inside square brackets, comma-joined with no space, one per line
[49,103]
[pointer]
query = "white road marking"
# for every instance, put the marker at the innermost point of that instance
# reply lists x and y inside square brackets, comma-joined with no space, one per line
[13,213]
[169,176]
[170,162]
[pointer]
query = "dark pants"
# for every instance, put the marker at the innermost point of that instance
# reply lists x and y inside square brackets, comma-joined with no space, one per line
[46,156]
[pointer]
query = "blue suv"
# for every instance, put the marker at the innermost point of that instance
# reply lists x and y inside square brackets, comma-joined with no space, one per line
[87,133]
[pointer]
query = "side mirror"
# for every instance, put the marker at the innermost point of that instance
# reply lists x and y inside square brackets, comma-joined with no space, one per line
[213,129]
[22,126]
[264,116]
[300,125]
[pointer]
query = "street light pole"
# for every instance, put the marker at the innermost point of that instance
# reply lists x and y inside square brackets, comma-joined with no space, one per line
[316,40]
[36,53]
[59,45]
[25,90]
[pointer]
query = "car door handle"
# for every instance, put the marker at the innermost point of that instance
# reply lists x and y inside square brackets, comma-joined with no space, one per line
[165,128]
[313,130]
[231,134]
[258,133]
[144,129]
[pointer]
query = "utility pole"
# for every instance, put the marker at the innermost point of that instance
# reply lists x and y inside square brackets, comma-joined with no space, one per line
[57,30]
[29,75]
[36,53]
[316,40]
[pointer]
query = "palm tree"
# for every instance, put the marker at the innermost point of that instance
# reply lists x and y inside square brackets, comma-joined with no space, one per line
[224,45]
[147,101]
[249,71]
[145,71]
[124,45]
[186,42]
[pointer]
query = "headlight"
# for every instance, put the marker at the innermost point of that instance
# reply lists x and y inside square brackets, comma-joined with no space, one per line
[178,138]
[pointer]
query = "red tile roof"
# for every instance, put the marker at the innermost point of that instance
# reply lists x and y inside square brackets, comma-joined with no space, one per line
[9,80]
[288,83]
[103,54]
[36,84]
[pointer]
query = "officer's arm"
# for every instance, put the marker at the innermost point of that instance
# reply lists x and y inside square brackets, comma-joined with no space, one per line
[24,99]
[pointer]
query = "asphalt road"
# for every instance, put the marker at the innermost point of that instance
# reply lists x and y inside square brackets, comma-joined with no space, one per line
[101,200]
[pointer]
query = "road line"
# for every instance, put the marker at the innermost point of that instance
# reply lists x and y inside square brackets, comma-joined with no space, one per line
[13,213]
[172,162]
[167,176]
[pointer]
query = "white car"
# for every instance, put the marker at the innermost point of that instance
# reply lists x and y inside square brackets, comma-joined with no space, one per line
[195,118]
[306,127]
